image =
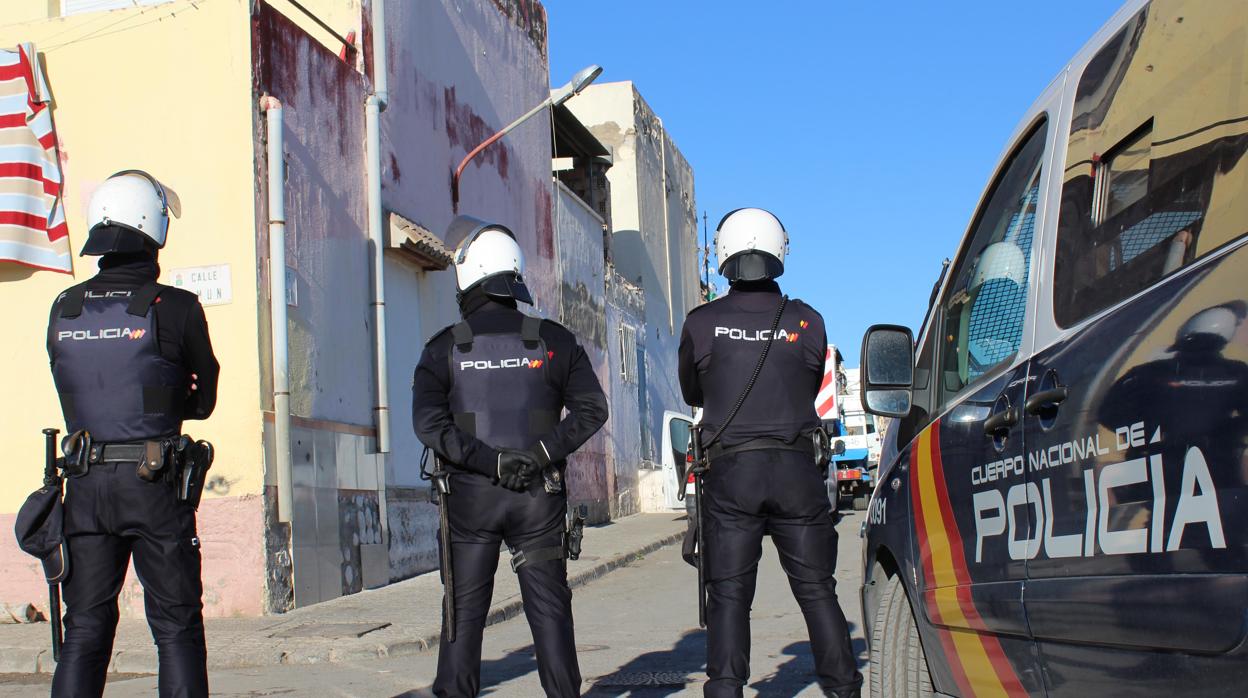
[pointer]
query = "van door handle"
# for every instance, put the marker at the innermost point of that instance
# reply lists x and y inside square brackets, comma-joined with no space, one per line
[1045,398]
[1001,421]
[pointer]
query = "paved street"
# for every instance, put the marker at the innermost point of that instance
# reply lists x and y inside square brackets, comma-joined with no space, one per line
[634,626]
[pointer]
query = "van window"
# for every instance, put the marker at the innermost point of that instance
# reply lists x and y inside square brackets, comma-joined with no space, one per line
[1155,171]
[678,435]
[986,301]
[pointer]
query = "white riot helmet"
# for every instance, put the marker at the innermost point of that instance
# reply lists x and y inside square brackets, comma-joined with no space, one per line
[1000,260]
[128,212]
[487,255]
[1211,328]
[751,245]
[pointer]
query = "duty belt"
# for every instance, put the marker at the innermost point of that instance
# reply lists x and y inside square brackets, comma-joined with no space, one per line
[117,453]
[800,444]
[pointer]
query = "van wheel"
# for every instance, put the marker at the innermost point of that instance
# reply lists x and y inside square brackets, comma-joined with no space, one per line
[898,664]
[860,503]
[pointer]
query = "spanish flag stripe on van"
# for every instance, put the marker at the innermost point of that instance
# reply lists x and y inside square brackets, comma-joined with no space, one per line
[979,664]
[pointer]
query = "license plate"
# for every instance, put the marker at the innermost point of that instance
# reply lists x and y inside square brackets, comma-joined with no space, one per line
[854,474]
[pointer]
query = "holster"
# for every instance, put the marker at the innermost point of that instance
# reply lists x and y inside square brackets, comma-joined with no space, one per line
[569,547]
[193,461]
[822,444]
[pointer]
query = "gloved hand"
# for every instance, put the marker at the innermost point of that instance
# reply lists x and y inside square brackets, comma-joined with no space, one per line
[516,469]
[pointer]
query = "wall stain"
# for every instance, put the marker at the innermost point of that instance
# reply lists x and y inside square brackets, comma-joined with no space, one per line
[466,130]
[359,523]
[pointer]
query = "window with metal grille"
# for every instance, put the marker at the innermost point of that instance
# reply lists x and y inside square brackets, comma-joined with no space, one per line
[986,302]
[628,354]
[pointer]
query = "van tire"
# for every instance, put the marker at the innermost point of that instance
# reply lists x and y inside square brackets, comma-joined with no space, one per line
[898,664]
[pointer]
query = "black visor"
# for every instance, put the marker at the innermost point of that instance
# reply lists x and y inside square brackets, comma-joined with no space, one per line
[106,238]
[505,285]
[751,265]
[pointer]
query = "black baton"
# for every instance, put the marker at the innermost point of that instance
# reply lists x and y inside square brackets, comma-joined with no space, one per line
[698,469]
[50,477]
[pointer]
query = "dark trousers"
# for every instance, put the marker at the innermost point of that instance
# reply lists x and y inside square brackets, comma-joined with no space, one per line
[781,494]
[482,516]
[110,514]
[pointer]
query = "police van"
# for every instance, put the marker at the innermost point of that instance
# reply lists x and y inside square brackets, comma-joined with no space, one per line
[1062,507]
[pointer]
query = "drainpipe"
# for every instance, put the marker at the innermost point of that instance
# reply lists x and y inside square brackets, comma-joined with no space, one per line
[373,107]
[277,309]
[380,79]
[667,240]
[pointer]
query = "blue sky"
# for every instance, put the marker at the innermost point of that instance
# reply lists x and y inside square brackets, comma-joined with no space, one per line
[869,128]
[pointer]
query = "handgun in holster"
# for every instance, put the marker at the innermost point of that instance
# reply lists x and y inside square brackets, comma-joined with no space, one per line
[193,460]
[822,444]
[574,531]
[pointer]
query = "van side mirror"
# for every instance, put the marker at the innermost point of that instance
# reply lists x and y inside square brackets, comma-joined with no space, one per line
[887,374]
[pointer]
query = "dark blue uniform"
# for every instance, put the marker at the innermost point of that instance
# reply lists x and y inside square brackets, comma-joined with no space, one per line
[122,351]
[501,381]
[777,491]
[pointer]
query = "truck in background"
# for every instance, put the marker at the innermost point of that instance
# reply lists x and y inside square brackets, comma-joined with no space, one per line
[850,478]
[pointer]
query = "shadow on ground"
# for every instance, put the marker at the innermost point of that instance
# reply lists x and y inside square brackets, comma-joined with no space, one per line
[494,672]
[664,673]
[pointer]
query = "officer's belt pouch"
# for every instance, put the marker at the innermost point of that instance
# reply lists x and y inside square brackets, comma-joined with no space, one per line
[152,465]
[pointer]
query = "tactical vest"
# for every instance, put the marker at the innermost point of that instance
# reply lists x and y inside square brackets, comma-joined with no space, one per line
[782,403]
[109,373]
[500,392]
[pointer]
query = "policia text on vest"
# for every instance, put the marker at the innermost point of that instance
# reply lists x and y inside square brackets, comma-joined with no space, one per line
[487,400]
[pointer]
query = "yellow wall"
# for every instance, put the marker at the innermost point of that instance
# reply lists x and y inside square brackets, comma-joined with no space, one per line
[29,10]
[172,97]
[342,15]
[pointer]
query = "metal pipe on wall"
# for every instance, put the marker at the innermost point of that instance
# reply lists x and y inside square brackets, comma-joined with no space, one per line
[377,239]
[373,107]
[277,309]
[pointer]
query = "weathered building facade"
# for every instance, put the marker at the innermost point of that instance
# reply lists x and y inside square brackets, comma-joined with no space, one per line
[456,73]
[653,246]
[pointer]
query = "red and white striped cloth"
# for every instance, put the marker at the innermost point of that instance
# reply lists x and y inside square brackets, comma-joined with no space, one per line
[32,216]
[825,401]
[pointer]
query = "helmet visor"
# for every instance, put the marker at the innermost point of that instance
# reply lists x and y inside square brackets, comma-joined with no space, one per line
[104,239]
[751,265]
[506,285]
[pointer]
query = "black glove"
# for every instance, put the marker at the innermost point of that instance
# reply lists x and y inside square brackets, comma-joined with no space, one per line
[515,469]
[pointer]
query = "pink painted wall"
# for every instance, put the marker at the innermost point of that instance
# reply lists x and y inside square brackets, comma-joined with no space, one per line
[232,544]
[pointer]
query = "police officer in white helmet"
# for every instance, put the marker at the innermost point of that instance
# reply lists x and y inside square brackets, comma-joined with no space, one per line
[753,360]
[131,359]
[487,400]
